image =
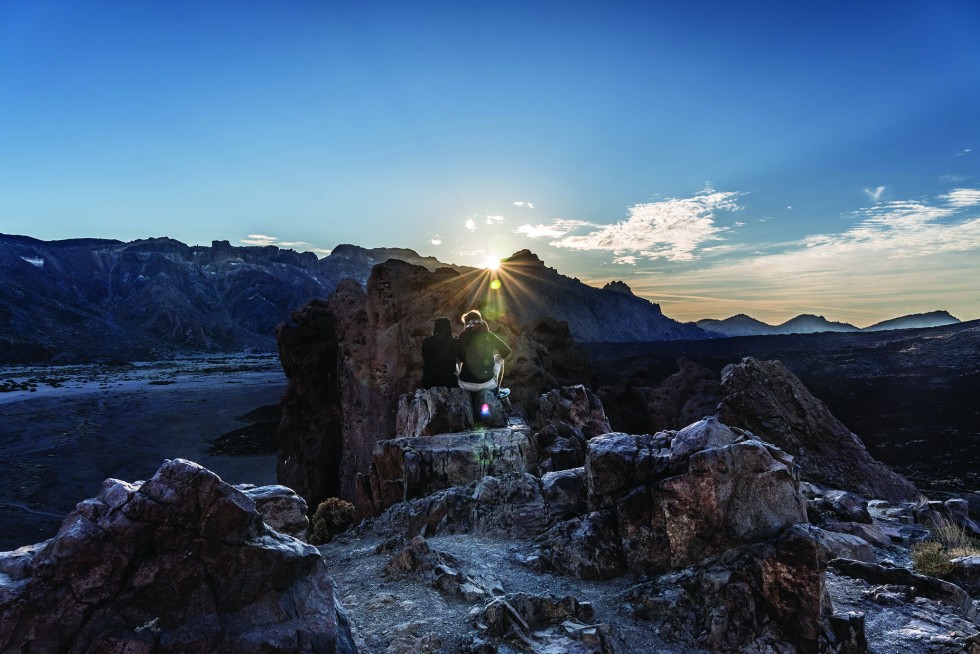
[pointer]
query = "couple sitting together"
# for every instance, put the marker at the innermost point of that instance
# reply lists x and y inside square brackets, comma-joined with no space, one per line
[474,360]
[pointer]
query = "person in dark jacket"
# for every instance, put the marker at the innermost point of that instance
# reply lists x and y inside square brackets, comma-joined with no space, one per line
[439,356]
[482,353]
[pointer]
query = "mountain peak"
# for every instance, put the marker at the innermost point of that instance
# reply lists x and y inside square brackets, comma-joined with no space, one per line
[524,257]
[618,287]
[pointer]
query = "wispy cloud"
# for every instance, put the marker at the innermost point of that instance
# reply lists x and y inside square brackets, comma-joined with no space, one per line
[875,193]
[526,205]
[964,152]
[963,197]
[264,240]
[556,229]
[436,240]
[673,229]
[495,220]
[917,255]
[470,224]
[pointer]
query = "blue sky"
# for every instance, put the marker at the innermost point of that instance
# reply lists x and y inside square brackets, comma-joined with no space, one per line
[771,158]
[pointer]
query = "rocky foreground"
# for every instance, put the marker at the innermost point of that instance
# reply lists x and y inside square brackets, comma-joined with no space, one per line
[696,540]
[760,524]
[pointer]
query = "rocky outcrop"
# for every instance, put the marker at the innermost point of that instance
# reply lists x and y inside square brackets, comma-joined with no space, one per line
[515,504]
[765,398]
[181,562]
[768,399]
[719,512]
[406,468]
[908,394]
[350,360]
[281,509]
[750,598]
[680,498]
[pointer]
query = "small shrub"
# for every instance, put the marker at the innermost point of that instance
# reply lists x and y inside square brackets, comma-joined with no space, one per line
[332,516]
[951,535]
[949,541]
[930,558]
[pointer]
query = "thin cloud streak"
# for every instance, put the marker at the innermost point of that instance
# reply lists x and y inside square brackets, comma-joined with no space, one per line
[263,240]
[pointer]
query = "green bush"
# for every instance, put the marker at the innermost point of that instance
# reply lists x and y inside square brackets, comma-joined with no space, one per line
[332,516]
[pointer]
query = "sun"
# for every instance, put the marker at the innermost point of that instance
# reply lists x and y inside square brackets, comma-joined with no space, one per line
[492,264]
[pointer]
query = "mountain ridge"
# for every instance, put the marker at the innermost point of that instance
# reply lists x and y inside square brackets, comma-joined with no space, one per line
[806,323]
[95,299]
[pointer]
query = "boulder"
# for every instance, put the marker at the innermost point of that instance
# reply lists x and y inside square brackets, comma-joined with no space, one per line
[181,562]
[842,546]
[564,493]
[616,463]
[769,596]
[838,506]
[281,508]
[576,406]
[730,496]
[406,468]
[701,435]
[966,573]
[434,411]
[959,512]
[766,398]
[510,504]
[587,547]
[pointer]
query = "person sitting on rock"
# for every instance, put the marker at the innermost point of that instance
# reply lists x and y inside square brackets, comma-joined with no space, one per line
[482,353]
[439,356]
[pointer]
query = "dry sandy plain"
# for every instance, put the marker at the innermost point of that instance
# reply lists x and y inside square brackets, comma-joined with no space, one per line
[64,429]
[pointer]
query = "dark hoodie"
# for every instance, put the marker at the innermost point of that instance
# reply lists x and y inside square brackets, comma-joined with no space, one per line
[475,348]
[439,356]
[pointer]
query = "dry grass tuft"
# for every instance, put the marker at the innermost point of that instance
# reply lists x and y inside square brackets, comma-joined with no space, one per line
[949,541]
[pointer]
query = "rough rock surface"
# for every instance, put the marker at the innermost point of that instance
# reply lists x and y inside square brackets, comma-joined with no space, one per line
[434,411]
[747,599]
[281,508]
[182,562]
[766,398]
[350,359]
[679,498]
[406,468]
[85,299]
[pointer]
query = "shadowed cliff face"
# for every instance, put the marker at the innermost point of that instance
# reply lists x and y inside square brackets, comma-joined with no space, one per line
[910,395]
[350,358]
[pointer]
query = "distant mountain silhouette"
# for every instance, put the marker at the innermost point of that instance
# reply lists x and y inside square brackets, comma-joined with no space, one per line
[914,321]
[90,299]
[743,325]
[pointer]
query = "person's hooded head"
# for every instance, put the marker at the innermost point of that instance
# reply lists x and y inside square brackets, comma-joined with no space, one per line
[442,327]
